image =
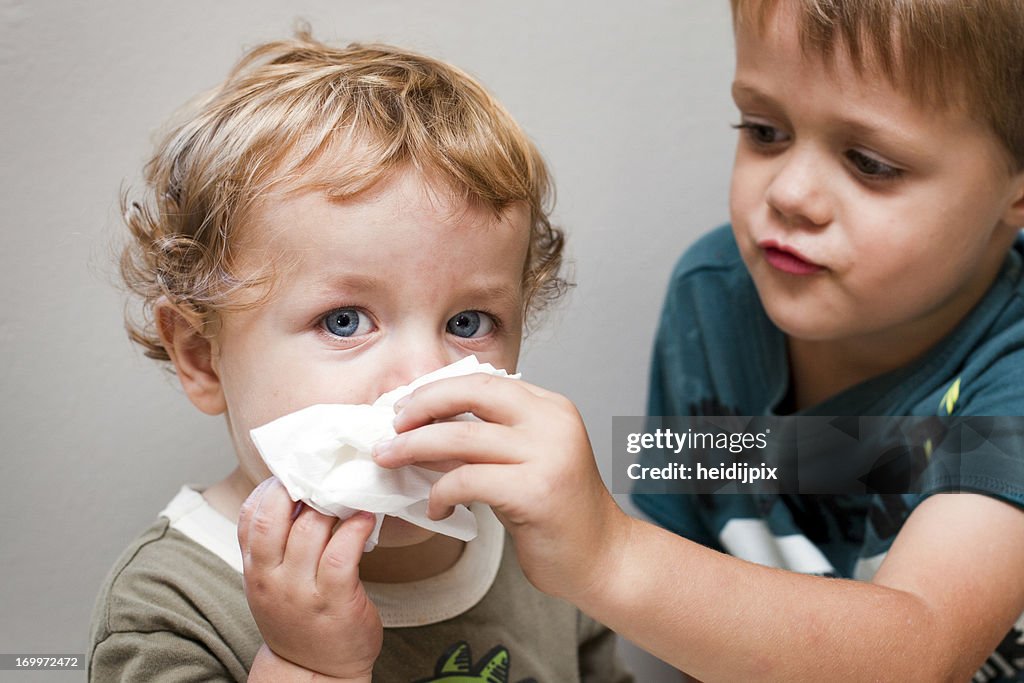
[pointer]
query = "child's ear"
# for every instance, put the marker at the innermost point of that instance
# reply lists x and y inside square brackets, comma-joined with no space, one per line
[1015,212]
[193,356]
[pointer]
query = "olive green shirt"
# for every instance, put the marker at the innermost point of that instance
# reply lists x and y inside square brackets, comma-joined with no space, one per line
[173,610]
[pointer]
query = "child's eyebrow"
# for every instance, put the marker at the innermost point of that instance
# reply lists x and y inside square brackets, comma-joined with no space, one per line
[500,294]
[497,294]
[349,282]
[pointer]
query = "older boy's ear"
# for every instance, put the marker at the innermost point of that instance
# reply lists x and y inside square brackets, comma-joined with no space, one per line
[193,357]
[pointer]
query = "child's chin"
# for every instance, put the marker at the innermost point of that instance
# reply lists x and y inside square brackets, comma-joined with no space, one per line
[398,533]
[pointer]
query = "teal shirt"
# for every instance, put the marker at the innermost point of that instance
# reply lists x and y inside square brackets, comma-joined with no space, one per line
[717,352]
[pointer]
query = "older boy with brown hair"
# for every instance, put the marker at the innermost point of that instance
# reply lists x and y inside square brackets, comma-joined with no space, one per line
[326,225]
[873,267]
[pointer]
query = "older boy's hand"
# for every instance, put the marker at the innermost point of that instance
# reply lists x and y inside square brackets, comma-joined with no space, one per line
[531,460]
[302,584]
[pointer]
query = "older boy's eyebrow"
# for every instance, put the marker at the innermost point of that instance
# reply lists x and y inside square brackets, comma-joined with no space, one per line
[746,90]
[876,129]
[886,135]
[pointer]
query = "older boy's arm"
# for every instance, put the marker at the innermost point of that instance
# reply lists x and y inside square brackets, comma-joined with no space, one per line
[949,590]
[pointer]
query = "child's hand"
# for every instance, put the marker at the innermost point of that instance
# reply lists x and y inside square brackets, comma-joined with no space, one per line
[302,584]
[530,459]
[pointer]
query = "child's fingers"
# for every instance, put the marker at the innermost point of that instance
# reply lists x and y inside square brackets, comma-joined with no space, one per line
[492,399]
[245,514]
[268,526]
[463,441]
[470,484]
[307,540]
[338,570]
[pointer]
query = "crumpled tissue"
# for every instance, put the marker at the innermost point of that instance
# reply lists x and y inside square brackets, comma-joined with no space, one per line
[322,455]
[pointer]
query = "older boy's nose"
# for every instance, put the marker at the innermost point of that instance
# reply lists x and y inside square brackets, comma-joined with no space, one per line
[797,192]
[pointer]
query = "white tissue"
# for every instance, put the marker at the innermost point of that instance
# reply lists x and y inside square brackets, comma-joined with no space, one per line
[322,456]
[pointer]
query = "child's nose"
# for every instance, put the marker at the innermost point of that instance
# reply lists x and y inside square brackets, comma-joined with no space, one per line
[798,193]
[407,361]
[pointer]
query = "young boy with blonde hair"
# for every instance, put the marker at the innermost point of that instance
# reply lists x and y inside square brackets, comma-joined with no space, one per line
[873,267]
[326,225]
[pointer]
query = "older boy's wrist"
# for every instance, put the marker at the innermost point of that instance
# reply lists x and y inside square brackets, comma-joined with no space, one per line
[605,559]
[268,667]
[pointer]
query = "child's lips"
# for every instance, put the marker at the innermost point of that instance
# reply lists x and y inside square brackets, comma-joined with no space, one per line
[787,259]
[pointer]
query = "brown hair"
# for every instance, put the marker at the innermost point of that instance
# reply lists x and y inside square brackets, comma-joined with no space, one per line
[284,105]
[942,52]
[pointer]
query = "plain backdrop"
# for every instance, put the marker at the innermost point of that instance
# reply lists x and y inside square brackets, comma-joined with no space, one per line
[628,101]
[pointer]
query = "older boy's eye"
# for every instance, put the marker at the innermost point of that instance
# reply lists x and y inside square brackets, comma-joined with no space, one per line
[468,324]
[761,133]
[871,167]
[347,322]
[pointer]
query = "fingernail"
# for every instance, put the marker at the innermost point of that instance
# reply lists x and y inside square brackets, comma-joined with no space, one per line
[382,448]
[401,403]
[444,514]
[255,494]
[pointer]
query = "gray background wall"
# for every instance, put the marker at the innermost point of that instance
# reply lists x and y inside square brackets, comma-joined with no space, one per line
[627,100]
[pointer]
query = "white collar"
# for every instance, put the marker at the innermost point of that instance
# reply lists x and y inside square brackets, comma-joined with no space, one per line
[416,603]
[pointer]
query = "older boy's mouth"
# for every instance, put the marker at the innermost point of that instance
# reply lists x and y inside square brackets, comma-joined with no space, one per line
[787,259]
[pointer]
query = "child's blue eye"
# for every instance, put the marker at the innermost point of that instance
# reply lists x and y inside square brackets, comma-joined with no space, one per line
[346,322]
[469,324]
[871,167]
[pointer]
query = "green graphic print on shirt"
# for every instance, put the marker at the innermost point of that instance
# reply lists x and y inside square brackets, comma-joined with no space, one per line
[456,666]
